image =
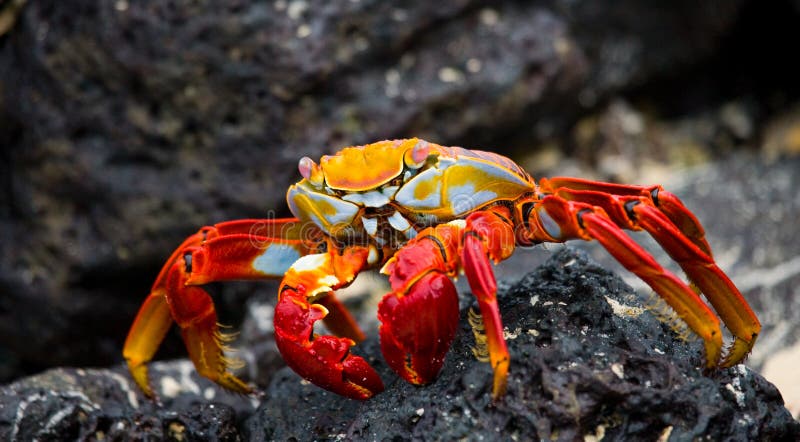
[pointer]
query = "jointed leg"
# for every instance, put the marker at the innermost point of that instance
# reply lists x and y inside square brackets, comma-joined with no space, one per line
[147,332]
[661,214]
[489,236]
[583,221]
[222,252]
[701,269]
[194,312]
[598,193]
[153,321]
[672,289]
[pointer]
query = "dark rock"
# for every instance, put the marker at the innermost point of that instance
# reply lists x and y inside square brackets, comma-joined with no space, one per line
[127,125]
[587,360]
[78,404]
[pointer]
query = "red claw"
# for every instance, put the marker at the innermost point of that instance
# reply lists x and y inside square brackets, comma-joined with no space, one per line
[417,328]
[323,360]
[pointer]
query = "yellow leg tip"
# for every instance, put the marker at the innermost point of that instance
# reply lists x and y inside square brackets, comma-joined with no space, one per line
[500,380]
[139,374]
[738,352]
[233,383]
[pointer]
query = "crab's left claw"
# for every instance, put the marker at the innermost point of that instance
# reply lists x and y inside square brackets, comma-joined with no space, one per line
[324,360]
[306,296]
[418,327]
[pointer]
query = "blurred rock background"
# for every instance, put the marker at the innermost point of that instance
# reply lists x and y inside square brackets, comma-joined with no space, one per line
[125,125]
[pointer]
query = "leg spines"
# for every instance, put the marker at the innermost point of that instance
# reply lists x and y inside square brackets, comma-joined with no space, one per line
[667,315]
[481,348]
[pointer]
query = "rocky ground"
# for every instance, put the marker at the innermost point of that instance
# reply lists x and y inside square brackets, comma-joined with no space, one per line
[589,361]
[126,125]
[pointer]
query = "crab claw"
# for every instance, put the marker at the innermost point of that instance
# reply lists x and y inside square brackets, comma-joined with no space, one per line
[323,360]
[417,328]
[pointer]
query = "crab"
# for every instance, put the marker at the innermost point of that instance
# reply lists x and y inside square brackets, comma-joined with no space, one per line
[423,214]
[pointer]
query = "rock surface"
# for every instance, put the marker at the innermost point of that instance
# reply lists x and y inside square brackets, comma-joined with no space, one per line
[77,404]
[588,361]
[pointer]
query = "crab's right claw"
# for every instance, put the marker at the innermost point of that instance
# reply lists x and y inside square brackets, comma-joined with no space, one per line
[323,360]
[418,327]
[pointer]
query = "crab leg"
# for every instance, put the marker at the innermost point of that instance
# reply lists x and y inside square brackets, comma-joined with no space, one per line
[701,269]
[321,359]
[147,332]
[225,251]
[590,191]
[194,312]
[152,322]
[645,211]
[557,219]
[489,236]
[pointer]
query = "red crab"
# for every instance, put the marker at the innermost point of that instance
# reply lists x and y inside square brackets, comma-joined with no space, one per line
[421,213]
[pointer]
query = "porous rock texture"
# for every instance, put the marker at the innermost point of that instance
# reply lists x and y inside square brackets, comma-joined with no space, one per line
[588,361]
[64,404]
[127,125]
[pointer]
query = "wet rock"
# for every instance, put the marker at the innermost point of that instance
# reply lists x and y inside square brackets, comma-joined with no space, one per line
[588,361]
[126,125]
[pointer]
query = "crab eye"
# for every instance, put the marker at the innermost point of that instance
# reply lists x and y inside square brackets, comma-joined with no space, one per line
[416,157]
[310,171]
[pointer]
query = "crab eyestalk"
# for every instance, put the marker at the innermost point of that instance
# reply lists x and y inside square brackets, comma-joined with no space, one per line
[417,155]
[311,171]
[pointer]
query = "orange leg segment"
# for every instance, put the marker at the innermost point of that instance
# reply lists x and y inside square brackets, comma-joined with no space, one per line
[482,282]
[489,236]
[601,194]
[147,332]
[194,312]
[153,321]
[701,269]
[672,289]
